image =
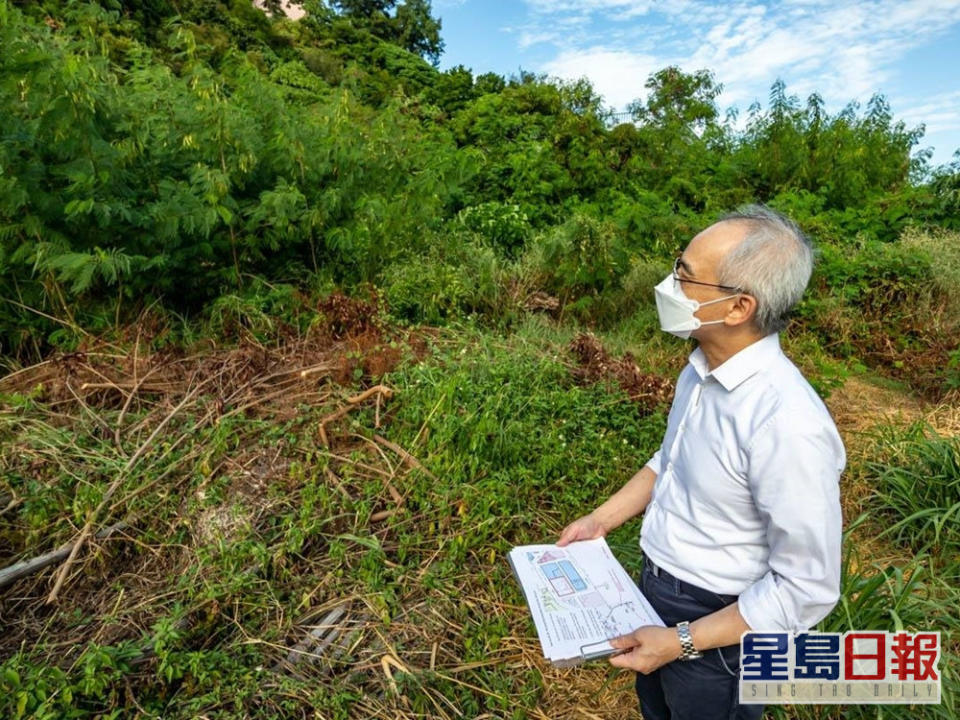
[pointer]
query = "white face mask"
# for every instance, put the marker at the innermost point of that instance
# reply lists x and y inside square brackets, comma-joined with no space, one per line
[676,310]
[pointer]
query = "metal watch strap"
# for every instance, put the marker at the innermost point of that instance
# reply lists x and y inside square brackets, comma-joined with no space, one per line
[686,642]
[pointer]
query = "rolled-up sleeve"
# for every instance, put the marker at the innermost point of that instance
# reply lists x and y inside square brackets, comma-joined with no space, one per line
[654,462]
[794,468]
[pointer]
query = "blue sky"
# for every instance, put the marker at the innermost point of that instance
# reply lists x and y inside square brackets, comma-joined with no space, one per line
[844,49]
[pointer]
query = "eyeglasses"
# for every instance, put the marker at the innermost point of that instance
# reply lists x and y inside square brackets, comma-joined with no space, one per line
[677,278]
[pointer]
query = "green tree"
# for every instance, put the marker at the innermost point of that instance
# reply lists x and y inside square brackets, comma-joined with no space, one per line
[416,30]
[409,25]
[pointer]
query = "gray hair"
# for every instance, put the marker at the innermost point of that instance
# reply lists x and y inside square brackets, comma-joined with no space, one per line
[773,263]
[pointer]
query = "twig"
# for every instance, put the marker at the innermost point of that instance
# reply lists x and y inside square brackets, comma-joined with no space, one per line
[25,568]
[336,481]
[86,408]
[9,502]
[121,476]
[351,403]
[407,457]
[71,325]
[265,398]
[357,463]
[381,389]
[137,386]
[427,420]
[394,493]
[6,378]
[132,386]
[325,367]
[385,662]
[107,382]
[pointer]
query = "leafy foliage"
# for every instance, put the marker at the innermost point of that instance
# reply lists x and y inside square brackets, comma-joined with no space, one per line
[206,160]
[169,154]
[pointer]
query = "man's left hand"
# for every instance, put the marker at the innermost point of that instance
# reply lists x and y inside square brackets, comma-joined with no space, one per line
[647,648]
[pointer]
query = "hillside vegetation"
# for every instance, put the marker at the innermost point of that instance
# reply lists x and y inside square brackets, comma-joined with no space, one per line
[300,335]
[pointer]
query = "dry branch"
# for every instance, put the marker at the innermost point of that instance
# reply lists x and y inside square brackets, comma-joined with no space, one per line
[121,476]
[409,459]
[8,503]
[26,568]
[383,514]
[352,402]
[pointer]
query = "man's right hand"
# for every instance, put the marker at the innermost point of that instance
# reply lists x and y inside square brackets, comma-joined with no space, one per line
[585,528]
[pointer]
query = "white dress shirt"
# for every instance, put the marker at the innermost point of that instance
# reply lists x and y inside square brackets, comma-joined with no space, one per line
[746,501]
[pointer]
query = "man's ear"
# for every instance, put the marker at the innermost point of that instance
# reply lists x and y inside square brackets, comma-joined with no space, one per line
[744,308]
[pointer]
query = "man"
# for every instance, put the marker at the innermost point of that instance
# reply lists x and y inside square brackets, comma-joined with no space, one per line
[742,521]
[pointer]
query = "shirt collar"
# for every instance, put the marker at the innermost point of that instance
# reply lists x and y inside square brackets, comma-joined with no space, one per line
[741,365]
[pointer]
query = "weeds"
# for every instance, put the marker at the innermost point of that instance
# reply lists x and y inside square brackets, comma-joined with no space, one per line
[246,525]
[917,488]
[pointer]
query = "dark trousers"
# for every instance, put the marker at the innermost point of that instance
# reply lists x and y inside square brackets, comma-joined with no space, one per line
[702,689]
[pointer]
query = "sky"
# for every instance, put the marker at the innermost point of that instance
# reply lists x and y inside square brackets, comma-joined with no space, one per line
[846,50]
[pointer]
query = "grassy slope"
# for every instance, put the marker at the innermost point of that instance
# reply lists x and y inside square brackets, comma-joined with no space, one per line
[246,531]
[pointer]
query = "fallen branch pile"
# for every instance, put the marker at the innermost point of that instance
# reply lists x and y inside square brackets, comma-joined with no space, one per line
[226,499]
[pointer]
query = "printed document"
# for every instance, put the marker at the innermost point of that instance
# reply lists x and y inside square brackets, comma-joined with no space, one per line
[580,597]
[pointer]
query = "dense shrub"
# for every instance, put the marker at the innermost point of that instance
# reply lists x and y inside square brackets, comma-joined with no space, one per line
[167,154]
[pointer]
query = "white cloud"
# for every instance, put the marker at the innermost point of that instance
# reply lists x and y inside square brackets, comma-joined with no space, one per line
[940,113]
[617,74]
[621,8]
[844,49]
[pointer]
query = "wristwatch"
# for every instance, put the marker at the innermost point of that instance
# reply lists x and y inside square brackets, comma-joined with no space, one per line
[686,642]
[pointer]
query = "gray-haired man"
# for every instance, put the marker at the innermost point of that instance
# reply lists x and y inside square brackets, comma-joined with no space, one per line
[742,521]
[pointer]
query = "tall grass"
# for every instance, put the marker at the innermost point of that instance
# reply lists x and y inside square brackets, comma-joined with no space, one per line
[912,597]
[915,501]
[917,488]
